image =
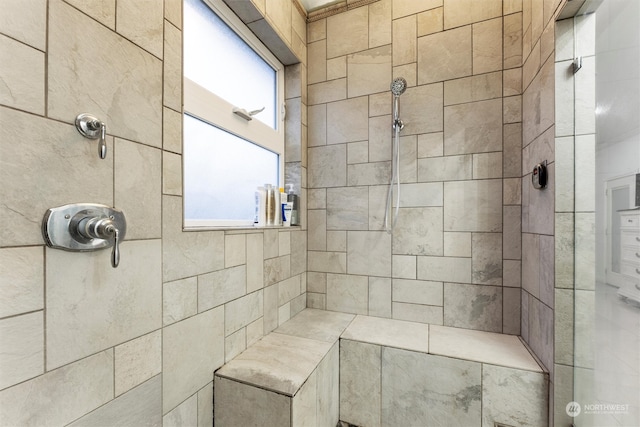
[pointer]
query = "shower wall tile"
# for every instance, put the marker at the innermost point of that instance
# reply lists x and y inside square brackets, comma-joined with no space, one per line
[317,61]
[457,244]
[379,297]
[462,12]
[113,301]
[140,406]
[430,145]
[139,95]
[404,266]
[369,253]
[234,250]
[454,49]
[173,13]
[485,302]
[486,261]
[348,32]
[422,194]
[418,232]
[347,208]
[172,130]
[511,273]
[408,71]
[184,414]
[185,372]
[62,395]
[220,287]
[512,150]
[474,88]
[255,262]
[142,23]
[333,90]
[25,21]
[329,262]
[337,241]
[138,183]
[357,152]
[235,344]
[420,102]
[22,341]
[360,373]
[444,269]
[512,43]
[347,293]
[408,170]
[369,71]
[512,82]
[21,280]
[171,174]
[512,232]
[317,30]
[317,130]
[511,312]
[531,264]
[475,127]
[563,327]
[585,250]
[379,139]
[277,269]
[407,7]
[487,47]
[484,195]
[512,191]
[380,104]
[564,250]
[137,361]
[487,165]
[368,174]
[347,121]
[430,21]
[417,292]
[512,109]
[317,234]
[404,40]
[449,168]
[49,175]
[337,68]
[179,300]
[417,313]
[538,110]
[23,84]
[328,166]
[451,386]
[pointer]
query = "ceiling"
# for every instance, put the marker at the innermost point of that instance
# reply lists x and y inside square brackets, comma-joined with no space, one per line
[310,5]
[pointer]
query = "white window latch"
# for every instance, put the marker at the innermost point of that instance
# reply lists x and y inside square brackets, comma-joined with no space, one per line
[247,115]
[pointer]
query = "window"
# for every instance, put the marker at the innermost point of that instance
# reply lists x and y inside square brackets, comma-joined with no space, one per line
[225,156]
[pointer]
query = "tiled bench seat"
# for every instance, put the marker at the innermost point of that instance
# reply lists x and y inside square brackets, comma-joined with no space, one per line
[288,378]
[383,372]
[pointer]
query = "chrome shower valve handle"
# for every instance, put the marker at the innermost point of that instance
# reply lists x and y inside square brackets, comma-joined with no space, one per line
[101,228]
[91,127]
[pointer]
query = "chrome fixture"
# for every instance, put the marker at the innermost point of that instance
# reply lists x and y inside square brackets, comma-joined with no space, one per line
[91,127]
[85,227]
[247,115]
[398,86]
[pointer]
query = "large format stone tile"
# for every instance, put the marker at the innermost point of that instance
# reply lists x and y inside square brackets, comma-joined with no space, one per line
[418,232]
[23,82]
[347,208]
[405,48]
[420,102]
[179,300]
[265,408]
[452,47]
[369,253]
[129,103]
[100,10]
[444,269]
[389,333]
[21,280]
[142,23]
[347,293]
[22,342]
[185,414]
[473,205]
[172,68]
[473,306]
[347,120]
[422,389]
[137,360]
[328,166]
[25,21]
[449,168]
[486,265]
[369,71]
[380,297]
[221,286]
[360,383]
[421,194]
[316,324]
[348,32]
[60,396]
[51,167]
[474,88]
[124,302]
[463,12]
[191,351]
[417,292]
[242,311]
[486,347]
[280,363]
[487,46]
[328,388]
[419,313]
[514,397]
[141,406]
[475,127]
[304,405]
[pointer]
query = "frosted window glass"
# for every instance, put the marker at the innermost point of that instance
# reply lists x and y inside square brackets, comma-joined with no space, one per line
[222,173]
[216,58]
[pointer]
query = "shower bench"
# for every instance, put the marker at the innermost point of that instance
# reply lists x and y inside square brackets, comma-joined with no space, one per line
[320,367]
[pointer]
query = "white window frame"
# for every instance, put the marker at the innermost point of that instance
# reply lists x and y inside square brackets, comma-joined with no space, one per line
[208,107]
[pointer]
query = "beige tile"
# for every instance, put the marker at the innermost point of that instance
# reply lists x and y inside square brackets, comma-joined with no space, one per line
[347,293]
[380,104]
[140,406]
[316,30]
[114,312]
[24,82]
[317,233]
[487,165]
[317,198]
[357,152]
[388,333]
[421,194]
[138,188]
[512,45]
[129,103]
[475,88]
[538,103]
[279,14]
[348,121]
[317,325]
[22,341]
[235,252]
[255,259]
[380,23]
[417,313]
[142,23]
[481,346]
[317,61]
[475,127]
[404,266]
[298,25]
[347,208]
[408,72]
[485,196]
[512,82]
[179,300]
[454,47]
[137,360]
[255,331]
[417,292]
[457,244]
[172,73]
[337,68]
[243,311]
[419,102]
[185,372]
[487,46]
[220,287]
[186,413]
[511,273]
[430,145]
[512,109]
[430,21]
[173,12]
[368,253]
[408,7]
[380,297]
[317,130]
[512,6]
[333,90]
[444,269]
[348,32]
[100,10]
[171,174]
[25,21]
[512,194]
[369,71]
[337,241]
[404,40]
[172,130]
[360,369]
[450,168]
[266,408]
[418,232]
[463,12]
[512,229]
[21,280]
[486,263]
[512,150]
[49,176]
[288,289]
[235,344]
[304,406]
[329,262]
[316,301]
[62,395]
[380,139]
[486,302]
[327,166]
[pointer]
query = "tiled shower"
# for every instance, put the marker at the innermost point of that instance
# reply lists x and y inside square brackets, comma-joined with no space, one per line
[474,245]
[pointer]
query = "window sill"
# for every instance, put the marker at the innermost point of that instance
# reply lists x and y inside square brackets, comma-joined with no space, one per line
[242,229]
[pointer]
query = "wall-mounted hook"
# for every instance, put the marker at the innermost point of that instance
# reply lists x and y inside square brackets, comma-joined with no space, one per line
[91,127]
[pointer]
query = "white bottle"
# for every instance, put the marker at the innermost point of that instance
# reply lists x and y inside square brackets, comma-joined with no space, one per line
[261,207]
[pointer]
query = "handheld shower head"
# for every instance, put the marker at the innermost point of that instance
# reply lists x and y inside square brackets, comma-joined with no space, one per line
[398,86]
